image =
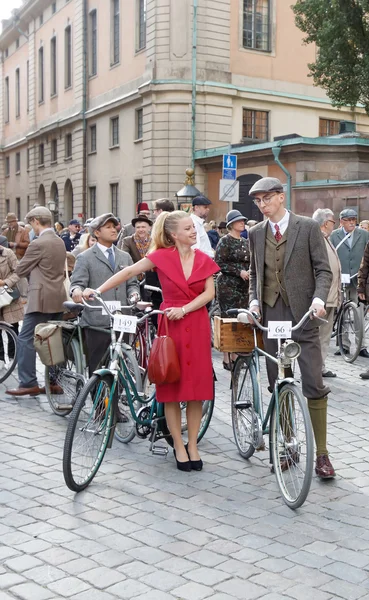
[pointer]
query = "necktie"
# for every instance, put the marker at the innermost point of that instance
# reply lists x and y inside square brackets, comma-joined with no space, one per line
[111,258]
[277,235]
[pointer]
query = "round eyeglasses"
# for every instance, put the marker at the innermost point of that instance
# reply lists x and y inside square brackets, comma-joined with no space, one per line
[266,199]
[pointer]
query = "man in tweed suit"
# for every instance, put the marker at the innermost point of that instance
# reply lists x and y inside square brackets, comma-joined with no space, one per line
[93,267]
[289,274]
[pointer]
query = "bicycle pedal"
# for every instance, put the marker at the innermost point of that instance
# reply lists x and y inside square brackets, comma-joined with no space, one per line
[242,405]
[160,450]
[64,407]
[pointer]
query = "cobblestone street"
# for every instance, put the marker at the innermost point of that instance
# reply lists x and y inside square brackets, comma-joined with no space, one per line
[146,530]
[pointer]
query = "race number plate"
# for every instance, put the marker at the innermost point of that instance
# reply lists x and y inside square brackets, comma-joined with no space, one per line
[345,278]
[125,323]
[279,330]
[112,305]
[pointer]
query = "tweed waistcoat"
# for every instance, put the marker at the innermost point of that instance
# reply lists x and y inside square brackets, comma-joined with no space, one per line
[274,269]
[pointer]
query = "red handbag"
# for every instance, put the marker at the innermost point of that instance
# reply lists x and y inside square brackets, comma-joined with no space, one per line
[163,361]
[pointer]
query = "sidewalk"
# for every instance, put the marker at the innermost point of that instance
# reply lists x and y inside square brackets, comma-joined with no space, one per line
[145,530]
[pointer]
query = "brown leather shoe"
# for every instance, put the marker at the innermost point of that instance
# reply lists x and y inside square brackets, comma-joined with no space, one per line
[56,389]
[287,461]
[324,468]
[33,391]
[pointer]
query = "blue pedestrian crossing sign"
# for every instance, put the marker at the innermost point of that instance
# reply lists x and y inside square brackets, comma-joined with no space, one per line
[229,166]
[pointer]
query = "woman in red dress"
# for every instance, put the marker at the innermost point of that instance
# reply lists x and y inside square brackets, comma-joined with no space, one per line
[186,277]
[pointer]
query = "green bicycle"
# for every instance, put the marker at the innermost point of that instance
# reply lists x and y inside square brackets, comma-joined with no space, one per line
[110,399]
[287,419]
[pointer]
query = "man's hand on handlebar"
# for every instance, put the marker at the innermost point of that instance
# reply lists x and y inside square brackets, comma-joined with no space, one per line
[77,295]
[319,311]
[255,310]
[89,294]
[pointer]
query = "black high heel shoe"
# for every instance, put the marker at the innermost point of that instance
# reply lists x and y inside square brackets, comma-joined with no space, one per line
[182,466]
[196,465]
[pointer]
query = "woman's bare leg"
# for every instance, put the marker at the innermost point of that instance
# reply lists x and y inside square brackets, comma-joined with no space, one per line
[173,417]
[194,415]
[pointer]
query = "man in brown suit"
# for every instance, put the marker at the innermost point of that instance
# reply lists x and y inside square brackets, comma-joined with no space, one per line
[17,236]
[43,263]
[289,274]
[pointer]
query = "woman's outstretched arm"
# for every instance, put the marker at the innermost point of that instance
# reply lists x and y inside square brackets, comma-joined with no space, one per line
[133,270]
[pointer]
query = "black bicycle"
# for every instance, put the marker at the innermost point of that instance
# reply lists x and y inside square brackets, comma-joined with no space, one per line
[348,327]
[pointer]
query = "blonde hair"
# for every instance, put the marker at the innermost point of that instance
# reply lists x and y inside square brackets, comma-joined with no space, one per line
[165,225]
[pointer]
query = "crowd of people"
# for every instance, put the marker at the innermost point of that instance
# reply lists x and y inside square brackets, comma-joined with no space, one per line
[280,267]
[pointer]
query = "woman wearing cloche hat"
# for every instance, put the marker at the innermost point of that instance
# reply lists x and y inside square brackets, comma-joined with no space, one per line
[233,257]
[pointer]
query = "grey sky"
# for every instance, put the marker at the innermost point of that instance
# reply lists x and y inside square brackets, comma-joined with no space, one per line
[6,7]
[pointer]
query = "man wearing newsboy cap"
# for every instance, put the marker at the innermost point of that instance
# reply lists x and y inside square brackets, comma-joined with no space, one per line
[289,274]
[93,267]
[43,263]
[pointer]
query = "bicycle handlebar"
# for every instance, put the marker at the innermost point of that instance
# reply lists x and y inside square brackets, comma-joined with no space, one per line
[243,315]
[99,299]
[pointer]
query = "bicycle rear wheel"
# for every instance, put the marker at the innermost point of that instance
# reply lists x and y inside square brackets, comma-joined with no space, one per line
[292,445]
[8,360]
[88,433]
[350,332]
[125,429]
[64,382]
[213,312]
[245,408]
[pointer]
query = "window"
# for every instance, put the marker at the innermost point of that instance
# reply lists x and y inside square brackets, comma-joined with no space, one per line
[54,150]
[53,80]
[17,93]
[139,120]
[328,127]
[7,205]
[138,184]
[53,8]
[28,158]
[41,19]
[29,203]
[41,155]
[141,25]
[68,57]
[92,202]
[17,163]
[115,29]
[18,208]
[28,86]
[7,166]
[255,125]
[93,138]
[114,191]
[256,24]
[6,100]
[68,145]
[114,132]
[17,43]
[6,52]
[41,74]
[93,43]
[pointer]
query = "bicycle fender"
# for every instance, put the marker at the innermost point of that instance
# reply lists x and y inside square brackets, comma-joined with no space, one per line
[288,380]
[103,372]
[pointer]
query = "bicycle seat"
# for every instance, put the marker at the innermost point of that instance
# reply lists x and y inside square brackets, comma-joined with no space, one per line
[73,307]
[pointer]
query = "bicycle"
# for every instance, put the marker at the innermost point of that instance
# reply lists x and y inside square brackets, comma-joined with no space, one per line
[287,419]
[106,400]
[214,311]
[348,327]
[64,382]
[8,350]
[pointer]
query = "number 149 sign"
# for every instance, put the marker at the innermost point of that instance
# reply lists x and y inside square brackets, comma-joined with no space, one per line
[279,330]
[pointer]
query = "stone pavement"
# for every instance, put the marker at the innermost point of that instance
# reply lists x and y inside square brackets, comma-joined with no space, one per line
[146,530]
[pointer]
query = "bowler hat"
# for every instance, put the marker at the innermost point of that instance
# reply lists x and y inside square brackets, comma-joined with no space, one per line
[222,225]
[101,221]
[266,184]
[39,212]
[233,216]
[348,213]
[141,219]
[11,217]
[201,201]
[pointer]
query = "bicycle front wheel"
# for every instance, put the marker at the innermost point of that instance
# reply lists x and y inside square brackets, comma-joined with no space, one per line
[292,445]
[245,407]
[88,433]
[350,332]
[64,382]
[8,347]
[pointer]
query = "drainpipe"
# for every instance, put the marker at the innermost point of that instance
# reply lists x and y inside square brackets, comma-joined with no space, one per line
[84,108]
[276,152]
[194,77]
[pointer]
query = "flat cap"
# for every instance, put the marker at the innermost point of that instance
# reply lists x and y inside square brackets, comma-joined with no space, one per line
[39,212]
[348,213]
[101,221]
[201,201]
[266,184]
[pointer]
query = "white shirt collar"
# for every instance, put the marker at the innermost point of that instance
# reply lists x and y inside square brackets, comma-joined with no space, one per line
[104,249]
[283,223]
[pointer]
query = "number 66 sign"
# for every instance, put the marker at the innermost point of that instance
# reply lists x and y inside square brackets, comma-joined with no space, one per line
[279,330]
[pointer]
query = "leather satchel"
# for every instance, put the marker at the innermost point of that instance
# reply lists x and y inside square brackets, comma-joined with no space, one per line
[163,361]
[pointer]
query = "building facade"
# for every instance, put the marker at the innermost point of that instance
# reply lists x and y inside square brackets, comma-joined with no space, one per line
[105,103]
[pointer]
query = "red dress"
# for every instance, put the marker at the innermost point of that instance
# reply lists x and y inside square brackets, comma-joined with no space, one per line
[191,334]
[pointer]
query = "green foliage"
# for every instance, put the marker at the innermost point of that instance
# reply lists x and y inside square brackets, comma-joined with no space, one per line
[340,29]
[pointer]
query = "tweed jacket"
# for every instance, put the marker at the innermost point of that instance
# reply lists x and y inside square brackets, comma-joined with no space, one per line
[21,239]
[307,273]
[350,257]
[130,247]
[13,313]
[93,269]
[43,263]
[334,297]
[363,277]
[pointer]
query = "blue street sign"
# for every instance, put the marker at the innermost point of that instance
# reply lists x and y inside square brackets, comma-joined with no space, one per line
[229,166]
